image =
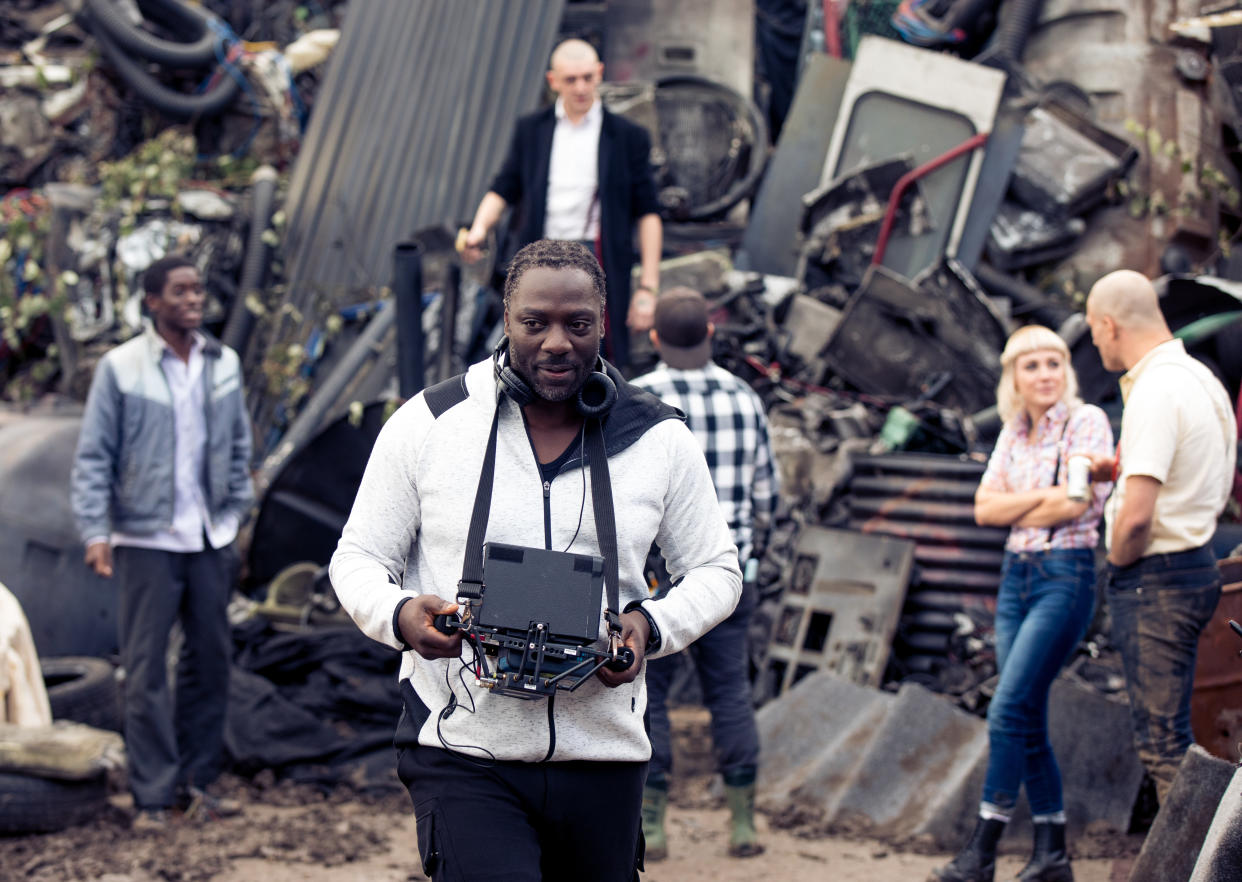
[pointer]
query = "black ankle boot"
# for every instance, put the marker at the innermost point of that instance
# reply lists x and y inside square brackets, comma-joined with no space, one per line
[977,861]
[1049,861]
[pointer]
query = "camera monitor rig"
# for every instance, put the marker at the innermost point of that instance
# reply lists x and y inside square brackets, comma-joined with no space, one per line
[535,616]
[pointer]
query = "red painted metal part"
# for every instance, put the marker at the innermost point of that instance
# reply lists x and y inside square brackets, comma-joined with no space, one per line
[903,183]
[1216,702]
[832,28]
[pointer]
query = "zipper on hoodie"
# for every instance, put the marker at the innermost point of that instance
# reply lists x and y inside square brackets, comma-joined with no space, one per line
[547,515]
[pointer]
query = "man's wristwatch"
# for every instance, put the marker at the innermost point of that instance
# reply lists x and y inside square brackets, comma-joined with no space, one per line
[653,632]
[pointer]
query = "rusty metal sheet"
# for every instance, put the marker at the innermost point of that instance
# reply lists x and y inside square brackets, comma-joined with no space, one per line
[1119,53]
[652,39]
[1216,702]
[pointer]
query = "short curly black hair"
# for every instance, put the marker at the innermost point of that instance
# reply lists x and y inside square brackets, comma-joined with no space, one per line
[157,273]
[555,254]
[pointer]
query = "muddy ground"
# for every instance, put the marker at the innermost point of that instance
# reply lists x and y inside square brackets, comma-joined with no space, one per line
[296,833]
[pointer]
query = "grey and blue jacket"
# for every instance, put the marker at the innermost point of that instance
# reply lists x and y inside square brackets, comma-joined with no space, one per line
[123,472]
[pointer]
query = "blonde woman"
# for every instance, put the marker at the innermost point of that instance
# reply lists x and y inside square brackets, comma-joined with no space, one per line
[1046,595]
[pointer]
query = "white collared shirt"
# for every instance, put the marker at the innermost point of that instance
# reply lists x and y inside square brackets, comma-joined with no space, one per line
[190,516]
[1177,427]
[572,206]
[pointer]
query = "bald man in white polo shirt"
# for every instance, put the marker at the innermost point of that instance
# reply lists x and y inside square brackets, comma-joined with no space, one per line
[1174,472]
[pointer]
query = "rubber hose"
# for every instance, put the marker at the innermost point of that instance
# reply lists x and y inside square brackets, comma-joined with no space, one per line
[1017,22]
[201,52]
[258,255]
[758,151]
[173,104]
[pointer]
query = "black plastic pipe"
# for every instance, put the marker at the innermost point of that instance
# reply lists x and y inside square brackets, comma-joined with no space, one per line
[449,304]
[258,257]
[173,104]
[407,290]
[200,51]
[1017,20]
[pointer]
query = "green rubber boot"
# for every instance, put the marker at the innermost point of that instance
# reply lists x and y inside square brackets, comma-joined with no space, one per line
[740,797]
[655,801]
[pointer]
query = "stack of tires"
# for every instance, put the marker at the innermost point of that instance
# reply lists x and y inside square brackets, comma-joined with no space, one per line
[83,690]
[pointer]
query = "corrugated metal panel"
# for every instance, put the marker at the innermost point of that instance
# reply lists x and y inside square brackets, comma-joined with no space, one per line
[415,114]
[930,499]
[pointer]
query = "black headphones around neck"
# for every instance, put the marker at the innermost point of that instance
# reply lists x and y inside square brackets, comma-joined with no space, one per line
[594,399]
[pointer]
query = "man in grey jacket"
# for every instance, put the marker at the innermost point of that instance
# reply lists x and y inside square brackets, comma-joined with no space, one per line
[531,789]
[160,484]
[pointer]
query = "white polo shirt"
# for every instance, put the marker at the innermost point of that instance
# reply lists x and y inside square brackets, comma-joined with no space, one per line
[1178,428]
[572,207]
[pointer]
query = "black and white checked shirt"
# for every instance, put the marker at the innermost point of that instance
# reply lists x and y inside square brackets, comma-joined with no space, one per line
[728,419]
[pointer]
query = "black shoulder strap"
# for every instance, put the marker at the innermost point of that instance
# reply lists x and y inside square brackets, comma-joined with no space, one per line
[1056,474]
[605,520]
[444,395]
[471,584]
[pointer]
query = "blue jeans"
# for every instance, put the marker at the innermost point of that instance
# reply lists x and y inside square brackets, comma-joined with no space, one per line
[1159,606]
[720,659]
[1043,609]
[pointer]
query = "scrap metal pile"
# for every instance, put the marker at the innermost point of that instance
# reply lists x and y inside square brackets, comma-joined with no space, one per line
[919,203]
[941,203]
[95,185]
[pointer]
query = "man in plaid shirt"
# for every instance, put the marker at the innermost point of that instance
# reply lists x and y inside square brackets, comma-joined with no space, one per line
[727,418]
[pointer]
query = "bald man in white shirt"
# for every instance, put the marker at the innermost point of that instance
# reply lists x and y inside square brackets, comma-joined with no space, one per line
[1174,471]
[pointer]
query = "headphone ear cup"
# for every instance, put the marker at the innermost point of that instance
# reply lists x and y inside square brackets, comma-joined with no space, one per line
[597,395]
[515,387]
[507,380]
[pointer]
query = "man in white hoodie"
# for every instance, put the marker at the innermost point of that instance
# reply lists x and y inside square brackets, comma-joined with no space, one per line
[550,788]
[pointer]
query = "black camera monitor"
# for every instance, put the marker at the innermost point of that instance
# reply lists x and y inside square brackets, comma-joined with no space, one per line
[525,586]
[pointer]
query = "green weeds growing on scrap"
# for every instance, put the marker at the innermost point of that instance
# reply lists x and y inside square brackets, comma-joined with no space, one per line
[1204,186]
[34,294]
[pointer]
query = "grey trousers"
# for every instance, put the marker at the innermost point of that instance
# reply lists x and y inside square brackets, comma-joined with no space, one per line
[173,739]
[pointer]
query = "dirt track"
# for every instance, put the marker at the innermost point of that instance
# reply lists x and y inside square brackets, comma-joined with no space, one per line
[298,834]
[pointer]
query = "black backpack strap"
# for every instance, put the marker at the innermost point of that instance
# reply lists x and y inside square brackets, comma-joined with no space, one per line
[471,585]
[446,394]
[605,520]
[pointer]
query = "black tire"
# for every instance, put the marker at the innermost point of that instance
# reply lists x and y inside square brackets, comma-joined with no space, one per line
[31,804]
[84,690]
[745,109]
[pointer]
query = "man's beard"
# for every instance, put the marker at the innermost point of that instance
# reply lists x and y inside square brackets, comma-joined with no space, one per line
[554,392]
